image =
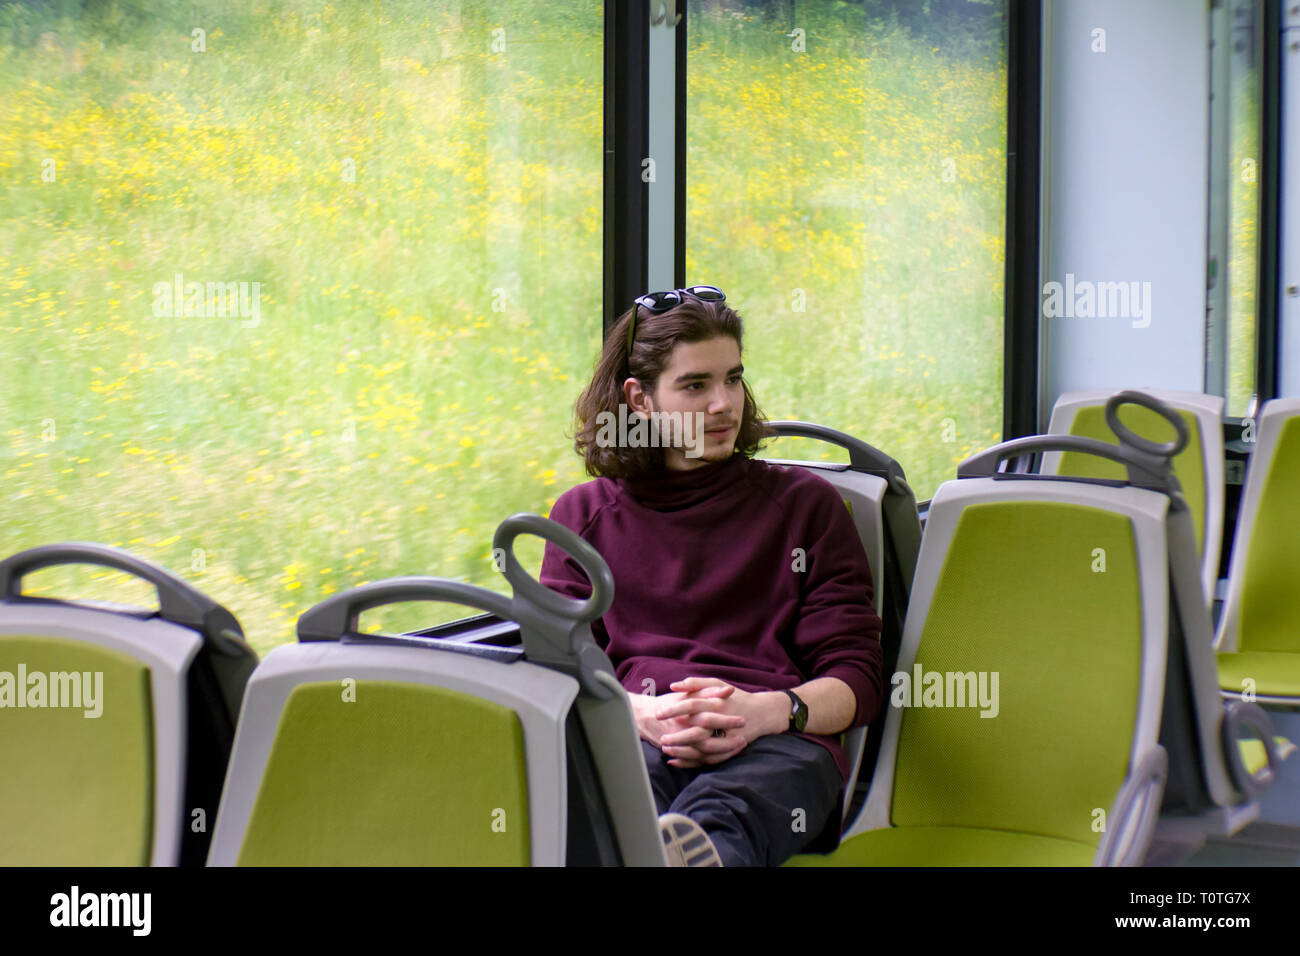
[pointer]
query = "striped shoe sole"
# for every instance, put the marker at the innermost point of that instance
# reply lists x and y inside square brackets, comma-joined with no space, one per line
[685,844]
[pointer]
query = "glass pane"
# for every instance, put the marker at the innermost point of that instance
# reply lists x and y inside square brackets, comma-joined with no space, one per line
[297,296]
[1243,203]
[847,188]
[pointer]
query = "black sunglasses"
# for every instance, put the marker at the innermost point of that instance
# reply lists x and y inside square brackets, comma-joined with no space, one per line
[657,302]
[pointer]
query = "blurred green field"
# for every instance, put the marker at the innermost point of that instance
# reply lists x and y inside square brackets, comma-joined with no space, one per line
[1243,243]
[863,179]
[425,328]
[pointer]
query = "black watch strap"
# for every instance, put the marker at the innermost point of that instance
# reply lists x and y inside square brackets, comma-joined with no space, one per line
[798,713]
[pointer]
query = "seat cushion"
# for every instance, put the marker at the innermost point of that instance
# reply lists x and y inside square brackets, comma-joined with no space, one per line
[1274,674]
[951,846]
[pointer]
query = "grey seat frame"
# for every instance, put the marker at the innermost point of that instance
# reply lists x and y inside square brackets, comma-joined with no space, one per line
[1133,813]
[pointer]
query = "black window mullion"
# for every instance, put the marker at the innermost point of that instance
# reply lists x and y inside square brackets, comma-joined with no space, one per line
[627,37]
[1020,413]
[679,200]
[1270,197]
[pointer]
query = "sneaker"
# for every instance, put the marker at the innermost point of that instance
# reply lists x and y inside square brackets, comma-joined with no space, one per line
[685,843]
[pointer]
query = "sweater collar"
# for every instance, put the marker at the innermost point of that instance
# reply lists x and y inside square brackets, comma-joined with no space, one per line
[667,490]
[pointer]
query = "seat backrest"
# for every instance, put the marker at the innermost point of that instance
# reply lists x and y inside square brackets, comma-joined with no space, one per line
[357,749]
[1200,774]
[1199,466]
[1032,660]
[122,718]
[357,754]
[1148,589]
[875,490]
[1261,612]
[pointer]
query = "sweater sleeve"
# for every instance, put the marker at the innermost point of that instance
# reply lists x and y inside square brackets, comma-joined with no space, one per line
[838,630]
[563,574]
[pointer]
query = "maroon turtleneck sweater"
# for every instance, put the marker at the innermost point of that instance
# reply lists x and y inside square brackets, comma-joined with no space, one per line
[708,582]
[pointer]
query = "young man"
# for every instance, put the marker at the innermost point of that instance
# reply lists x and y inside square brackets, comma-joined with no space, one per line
[742,626]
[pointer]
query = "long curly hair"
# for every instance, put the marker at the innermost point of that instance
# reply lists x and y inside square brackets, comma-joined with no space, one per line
[656,336]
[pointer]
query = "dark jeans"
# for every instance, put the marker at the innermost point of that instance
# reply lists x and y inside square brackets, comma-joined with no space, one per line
[747,805]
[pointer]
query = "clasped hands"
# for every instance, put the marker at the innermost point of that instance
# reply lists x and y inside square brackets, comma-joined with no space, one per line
[683,724]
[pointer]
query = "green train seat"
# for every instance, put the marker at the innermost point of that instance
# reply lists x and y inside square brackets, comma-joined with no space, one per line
[1071,609]
[1259,634]
[117,722]
[501,740]
[1199,466]
[875,489]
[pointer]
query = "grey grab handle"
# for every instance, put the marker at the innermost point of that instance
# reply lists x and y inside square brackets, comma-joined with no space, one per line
[862,456]
[588,558]
[1147,462]
[1128,437]
[336,617]
[556,630]
[178,601]
[1237,715]
[1142,468]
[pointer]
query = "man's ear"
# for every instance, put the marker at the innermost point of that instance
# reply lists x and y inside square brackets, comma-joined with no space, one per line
[638,399]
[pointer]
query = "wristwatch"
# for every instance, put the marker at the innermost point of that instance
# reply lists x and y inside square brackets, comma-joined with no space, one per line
[798,712]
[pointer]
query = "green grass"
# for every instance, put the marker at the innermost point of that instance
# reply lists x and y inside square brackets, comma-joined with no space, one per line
[425,329]
[868,173]
[1243,239]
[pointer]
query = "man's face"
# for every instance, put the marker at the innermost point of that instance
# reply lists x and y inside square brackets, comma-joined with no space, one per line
[700,377]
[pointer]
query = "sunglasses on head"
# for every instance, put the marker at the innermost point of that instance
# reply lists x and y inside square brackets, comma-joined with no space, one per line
[657,302]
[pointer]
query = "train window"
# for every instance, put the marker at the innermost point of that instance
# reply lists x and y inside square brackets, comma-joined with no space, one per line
[1243,79]
[295,297]
[846,184]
